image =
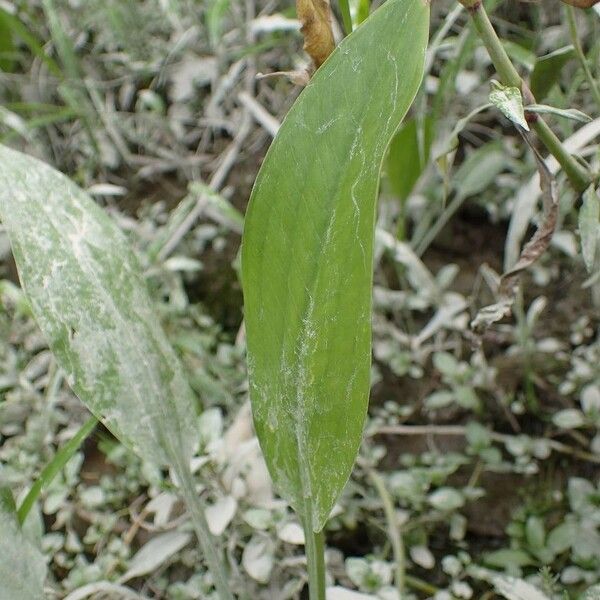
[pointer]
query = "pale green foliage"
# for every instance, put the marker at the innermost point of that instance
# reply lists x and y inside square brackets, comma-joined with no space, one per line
[307,256]
[589,228]
[592,593]
[22,566]
[510,102]
[90,300]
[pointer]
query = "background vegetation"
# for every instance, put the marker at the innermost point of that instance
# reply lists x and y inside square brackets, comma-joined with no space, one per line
[481,451]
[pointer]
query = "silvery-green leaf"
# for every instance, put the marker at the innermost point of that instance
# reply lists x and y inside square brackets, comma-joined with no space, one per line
[569,418]
[339,593]
[589,227]
[421,555]
[220,514]
[91,302]
[446,499]
[257,558]
[22,566]
[590,399]
[562,537]
[513,588]
[592,593]
[510,102]
[155,553]
[566,113]
[291,533]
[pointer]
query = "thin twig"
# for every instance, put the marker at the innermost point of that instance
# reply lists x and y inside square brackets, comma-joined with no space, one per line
[393,531]
[260,114]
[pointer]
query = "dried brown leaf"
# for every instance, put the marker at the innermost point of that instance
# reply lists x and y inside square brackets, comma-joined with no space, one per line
[536,246]
[315,16]
[541,238]
[581,3]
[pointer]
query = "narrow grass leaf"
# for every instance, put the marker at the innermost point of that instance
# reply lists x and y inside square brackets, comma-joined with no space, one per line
[91,302]
[7,46]
[307,256]
[19,30]
[61,458]
[569,113]
[359,10]
[346,11]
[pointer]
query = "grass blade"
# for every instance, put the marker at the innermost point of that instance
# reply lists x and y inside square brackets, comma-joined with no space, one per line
[50,471]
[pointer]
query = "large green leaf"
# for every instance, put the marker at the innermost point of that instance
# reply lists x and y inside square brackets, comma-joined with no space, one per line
[91,302]
[307,256]
[22,566]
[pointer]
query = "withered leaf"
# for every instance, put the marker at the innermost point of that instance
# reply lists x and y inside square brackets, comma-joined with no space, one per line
[533,250]
[581,3]
[315,16]
[541,239]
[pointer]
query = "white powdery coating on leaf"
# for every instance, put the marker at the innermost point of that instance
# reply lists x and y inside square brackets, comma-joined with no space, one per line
[22,566]
[88,296]
[307,257]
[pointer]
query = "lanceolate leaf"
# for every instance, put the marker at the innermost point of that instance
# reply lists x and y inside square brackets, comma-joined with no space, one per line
[307,256]
[91,302]
[22,566]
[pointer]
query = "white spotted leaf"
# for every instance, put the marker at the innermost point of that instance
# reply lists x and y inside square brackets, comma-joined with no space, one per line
[91,302]
[22,565]
[510,102]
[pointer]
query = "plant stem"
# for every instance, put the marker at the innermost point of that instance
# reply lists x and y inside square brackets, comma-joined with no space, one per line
[420,585]
[207,542]
[393,532]
[315,558]
[578,175]
[61,458]
[571,20]
[346,15]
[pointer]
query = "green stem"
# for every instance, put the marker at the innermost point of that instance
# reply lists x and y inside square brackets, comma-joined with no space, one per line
[571,20]
[346,15]
[441,222]
[208,544]
[422,586]
[315,558]
[578,175]
[393,532]
[61,458]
